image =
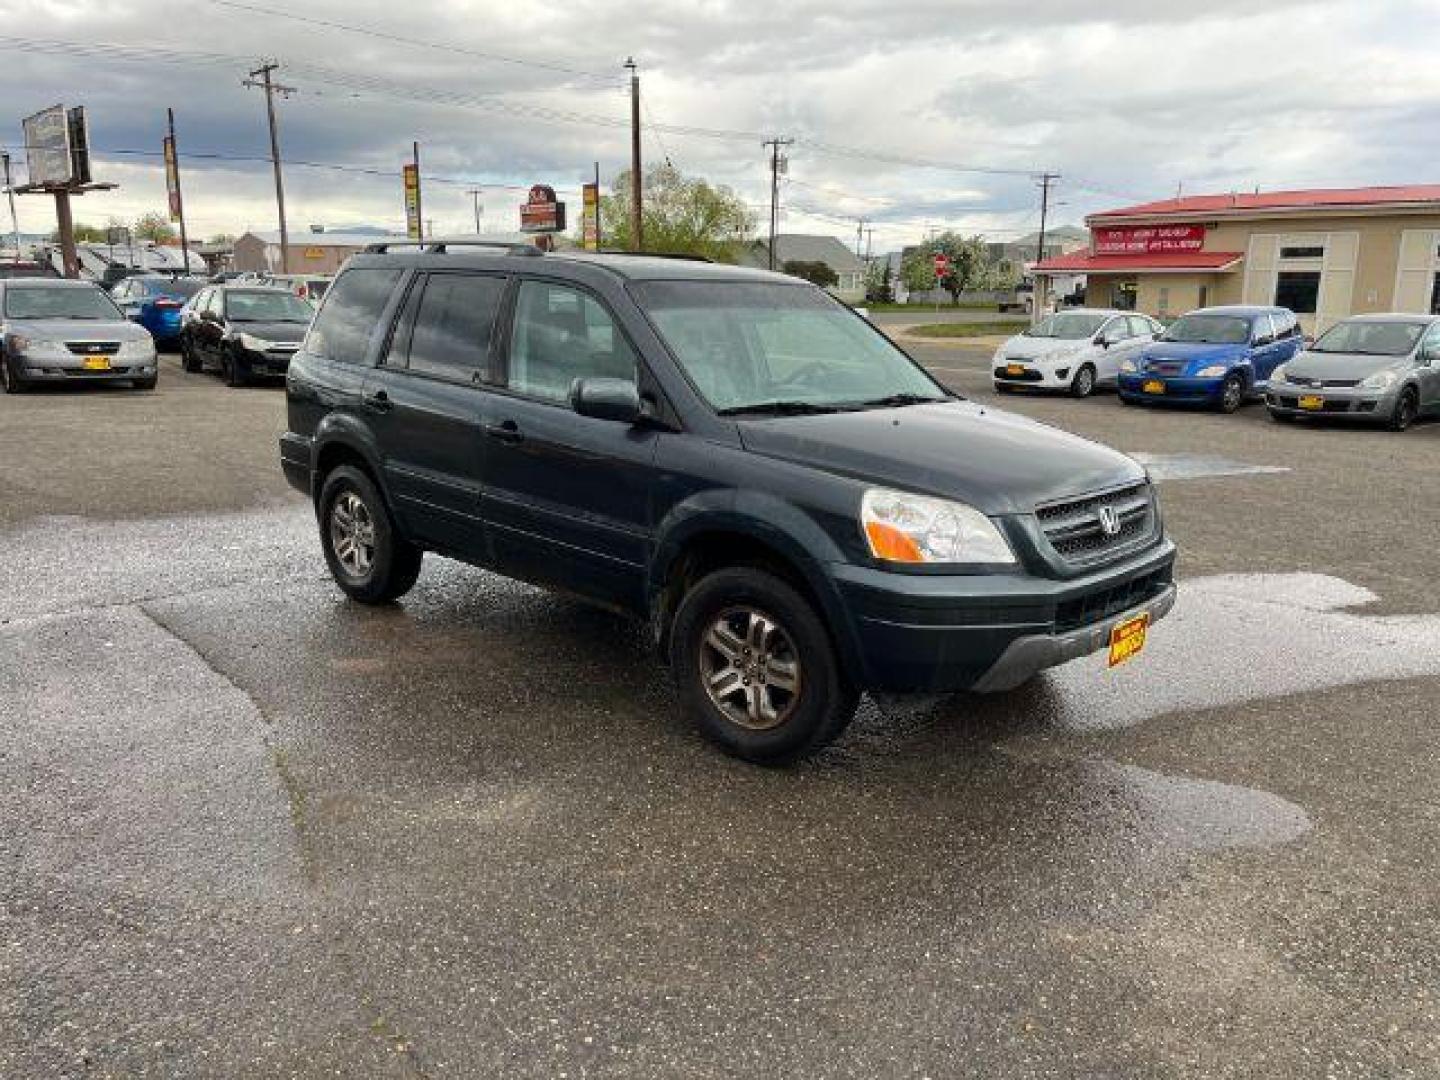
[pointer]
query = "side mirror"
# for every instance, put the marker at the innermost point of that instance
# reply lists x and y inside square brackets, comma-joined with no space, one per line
[607,399]
[1263,340]
[1430,354]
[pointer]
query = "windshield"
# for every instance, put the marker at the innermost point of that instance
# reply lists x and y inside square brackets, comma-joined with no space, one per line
[1209,330]
[1069,325]
[62,303]
[180,288]
[1370,338]
[267,307]
[753,347]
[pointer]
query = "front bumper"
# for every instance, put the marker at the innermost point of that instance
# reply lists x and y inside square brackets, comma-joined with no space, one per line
[270,362]
[1177,388]
[918,633]
[1348,402]
[48,370]
[1046,376]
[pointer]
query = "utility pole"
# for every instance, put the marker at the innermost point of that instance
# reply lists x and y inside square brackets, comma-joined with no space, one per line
[859,236]
[179,207]
[869,244]
[10,194]
[775,166]
[475,193]
[637,219]
[1040,301]
[271,88]
[420,221]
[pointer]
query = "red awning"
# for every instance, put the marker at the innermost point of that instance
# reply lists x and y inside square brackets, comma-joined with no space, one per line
[1160,262]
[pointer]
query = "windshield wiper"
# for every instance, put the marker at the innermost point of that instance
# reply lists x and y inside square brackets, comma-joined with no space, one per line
[780,408]
[892,401]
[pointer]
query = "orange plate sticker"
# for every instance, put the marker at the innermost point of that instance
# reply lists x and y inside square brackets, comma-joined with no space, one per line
[1153,386]
[1014,369]
[1128,638]
[1312,401]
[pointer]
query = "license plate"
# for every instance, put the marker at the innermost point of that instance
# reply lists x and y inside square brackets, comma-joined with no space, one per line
[1014,369]
[97,363]
[1128,638]
[1312,401]
[1154,386]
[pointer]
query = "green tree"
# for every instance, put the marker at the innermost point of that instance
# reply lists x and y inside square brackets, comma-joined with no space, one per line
[879,282]
[222,238]
[154,227]
[969,267]
[817,273]
[680,215]
[84,234]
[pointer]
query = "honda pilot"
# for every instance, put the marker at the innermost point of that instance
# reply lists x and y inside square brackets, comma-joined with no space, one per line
[798,509]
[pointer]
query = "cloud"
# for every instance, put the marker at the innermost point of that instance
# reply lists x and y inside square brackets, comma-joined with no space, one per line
[1125,100]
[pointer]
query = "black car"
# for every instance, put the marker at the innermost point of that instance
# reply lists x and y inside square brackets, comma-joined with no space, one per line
[799,510]
[243,331]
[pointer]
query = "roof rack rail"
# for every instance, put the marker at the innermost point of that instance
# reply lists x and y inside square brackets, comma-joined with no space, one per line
[440,247]
[680,255]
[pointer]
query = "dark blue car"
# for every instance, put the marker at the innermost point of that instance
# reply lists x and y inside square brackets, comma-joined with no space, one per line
[1220,357]
[154,301]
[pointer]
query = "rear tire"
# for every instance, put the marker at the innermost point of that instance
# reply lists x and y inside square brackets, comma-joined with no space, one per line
[189,359]
[1232,394]
[756,669]
[370,561]
[145,384]
[1083,385]
[1406,410]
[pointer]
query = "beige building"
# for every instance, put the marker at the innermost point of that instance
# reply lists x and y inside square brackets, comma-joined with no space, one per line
[1324,254]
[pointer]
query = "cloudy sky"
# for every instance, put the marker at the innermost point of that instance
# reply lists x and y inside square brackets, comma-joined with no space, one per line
[908,115]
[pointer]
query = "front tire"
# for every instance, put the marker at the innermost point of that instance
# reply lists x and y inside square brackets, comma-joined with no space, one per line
[1232,394]
[370,561]
[11,382]
[756,669]
[230,371]
[1406,410]
[1083,385]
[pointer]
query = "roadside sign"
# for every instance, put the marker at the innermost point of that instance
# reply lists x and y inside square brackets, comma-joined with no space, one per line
[542,212]
[47,146]
[590,225]
[172,179]
[942,265]
[412,202]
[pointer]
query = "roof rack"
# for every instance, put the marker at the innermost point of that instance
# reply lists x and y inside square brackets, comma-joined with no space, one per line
[440,247]
[680,255]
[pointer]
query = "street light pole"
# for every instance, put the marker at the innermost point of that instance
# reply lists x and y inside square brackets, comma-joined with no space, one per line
[475,193]
[637,217]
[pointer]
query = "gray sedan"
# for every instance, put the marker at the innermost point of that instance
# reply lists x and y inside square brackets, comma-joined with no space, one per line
[69,331]
[1379,368]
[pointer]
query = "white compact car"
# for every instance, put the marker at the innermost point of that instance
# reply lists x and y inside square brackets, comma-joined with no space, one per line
[1075,350]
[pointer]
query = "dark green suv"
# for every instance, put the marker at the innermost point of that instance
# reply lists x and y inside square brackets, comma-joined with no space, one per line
[798,509]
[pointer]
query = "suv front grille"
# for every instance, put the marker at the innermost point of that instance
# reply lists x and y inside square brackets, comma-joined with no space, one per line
[1073,614]
[1077,530]
[93,348]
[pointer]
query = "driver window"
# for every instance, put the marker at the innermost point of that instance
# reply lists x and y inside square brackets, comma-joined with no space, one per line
[560,335]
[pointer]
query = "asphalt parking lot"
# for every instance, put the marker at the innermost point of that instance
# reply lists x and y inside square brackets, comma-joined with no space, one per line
[250,829]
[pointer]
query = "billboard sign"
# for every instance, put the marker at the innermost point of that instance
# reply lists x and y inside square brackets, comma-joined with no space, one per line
[412,202]
[542,212]
[47,146]
[79,145]
[590,200]
[172,179]
[1149,239]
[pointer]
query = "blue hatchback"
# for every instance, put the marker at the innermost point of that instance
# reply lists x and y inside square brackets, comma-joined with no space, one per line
[1219,356]
[154,301]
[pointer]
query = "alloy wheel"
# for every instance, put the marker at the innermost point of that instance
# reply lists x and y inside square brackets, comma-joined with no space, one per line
[1406,410]
[1234,393]
[352,534]
[750,668]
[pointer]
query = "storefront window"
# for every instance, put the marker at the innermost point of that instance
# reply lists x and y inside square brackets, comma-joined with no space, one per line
[1298,290]
[1124,295]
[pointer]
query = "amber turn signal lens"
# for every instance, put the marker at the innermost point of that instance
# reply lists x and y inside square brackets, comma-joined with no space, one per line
[889,543]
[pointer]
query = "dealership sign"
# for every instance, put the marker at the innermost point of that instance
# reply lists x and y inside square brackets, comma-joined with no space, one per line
[172,180]
[1149,239]
[411,174]
[542,212]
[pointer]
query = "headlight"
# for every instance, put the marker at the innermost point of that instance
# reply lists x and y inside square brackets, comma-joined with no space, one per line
[138,347]
[254,344]
[1130,364]
[1214,371]
[1381,380]
[31,346]
[905,528]
[1278,375]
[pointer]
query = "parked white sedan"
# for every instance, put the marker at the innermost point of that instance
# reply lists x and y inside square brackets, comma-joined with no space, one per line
[1075,350]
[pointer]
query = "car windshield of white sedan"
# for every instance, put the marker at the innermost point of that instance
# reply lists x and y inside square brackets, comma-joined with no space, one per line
[1209,330]
[1369,338]
[762,348]
[267,307]
[1068,325]
[21,303]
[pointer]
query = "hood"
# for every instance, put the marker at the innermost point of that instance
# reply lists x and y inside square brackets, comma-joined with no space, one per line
[998,462]
[1313,365]
[78,329]
[1021,347]
[1193,354]
[271,331]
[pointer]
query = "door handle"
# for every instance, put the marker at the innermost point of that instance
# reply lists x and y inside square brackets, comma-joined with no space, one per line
[506,431]
[379,401]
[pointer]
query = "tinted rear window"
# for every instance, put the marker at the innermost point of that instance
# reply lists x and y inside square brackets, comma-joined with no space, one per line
[353,307]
